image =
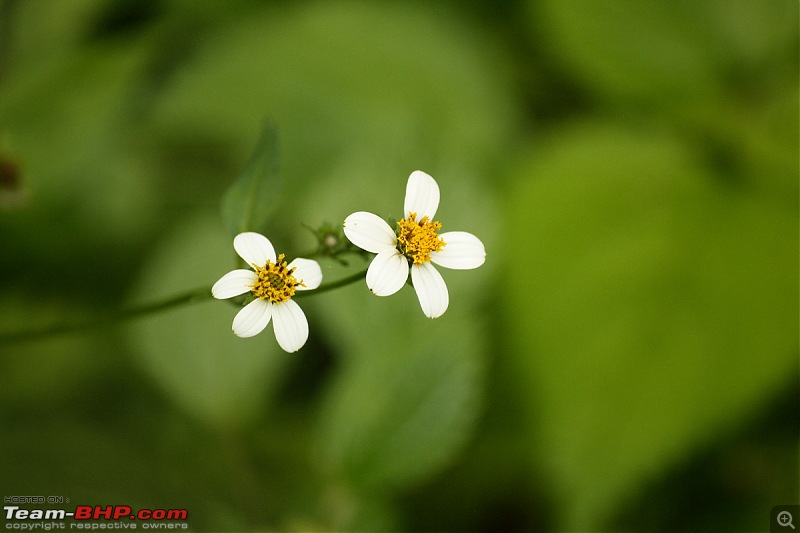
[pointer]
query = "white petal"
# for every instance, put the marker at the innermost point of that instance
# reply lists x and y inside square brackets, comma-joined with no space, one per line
[253,318]
[369,232]
[254,248]
[234,283]
[422,196]
[387,273]
[307,271]
[290,325]
[462,251]
[431,289]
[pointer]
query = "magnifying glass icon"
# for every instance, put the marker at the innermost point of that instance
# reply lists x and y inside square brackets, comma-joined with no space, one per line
[785,519]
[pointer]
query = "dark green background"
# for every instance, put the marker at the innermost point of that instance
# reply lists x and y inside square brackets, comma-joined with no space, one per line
[626,359]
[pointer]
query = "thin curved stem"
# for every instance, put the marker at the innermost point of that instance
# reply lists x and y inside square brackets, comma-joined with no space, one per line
[106,320]
[188,297]
[325,287]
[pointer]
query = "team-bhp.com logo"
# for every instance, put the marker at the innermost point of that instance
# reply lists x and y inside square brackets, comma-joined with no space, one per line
[87,517]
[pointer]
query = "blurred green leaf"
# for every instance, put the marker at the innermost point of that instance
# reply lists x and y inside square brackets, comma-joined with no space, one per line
[409,394]
[764,138]
[191,352]
[651,306]
[629,48]
[428,86]
[43,29]
[63,116]
[673,52]
[747,34]
[251,199]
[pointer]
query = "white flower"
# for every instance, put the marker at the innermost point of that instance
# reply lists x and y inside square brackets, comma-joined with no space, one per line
[414,246]
[273,283]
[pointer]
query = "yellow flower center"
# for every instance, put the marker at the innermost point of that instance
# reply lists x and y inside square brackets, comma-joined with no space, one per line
[417,240]
[275,281]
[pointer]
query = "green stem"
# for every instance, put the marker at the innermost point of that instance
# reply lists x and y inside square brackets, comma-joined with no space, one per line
[193,296]
[111,318]
[325,287]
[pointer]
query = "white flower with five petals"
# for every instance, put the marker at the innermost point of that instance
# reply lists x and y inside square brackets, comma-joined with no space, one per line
[272,283]
[414,247]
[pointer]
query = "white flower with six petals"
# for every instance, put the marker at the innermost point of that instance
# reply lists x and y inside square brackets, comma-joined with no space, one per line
[414,247]
[273,283]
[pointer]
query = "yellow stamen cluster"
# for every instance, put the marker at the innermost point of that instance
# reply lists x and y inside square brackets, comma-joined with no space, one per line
[417,240]
[275,281]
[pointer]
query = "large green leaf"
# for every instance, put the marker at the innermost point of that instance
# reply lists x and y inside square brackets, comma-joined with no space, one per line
[650,307]
[250,200]
[675,52]
[427,85]
[407,398]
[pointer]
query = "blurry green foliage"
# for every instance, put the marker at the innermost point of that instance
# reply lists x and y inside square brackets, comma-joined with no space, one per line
[406,399]
[631,167]
[672,54]
[675,285]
